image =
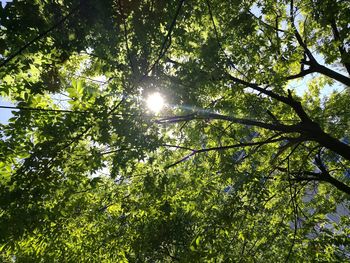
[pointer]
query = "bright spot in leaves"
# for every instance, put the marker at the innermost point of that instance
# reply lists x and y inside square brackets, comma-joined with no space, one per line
[155,102]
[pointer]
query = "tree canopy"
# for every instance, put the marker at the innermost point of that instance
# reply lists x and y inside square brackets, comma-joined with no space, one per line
[240,166]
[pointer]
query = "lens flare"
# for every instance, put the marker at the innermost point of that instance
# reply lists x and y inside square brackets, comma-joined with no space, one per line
[155,102]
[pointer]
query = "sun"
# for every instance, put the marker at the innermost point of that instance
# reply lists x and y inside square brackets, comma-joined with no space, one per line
[155,102]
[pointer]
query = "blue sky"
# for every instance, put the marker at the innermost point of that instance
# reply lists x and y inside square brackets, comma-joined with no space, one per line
[5,114]
[4,2]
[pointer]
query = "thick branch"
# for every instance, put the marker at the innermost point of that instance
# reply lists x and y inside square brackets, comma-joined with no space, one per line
[303,44]
[307,127]
[325,176]
[331,73]
[308,176]
[302,73]
[338,184]
[331,143]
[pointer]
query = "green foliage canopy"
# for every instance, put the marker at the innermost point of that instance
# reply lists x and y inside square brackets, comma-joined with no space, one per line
[237,168]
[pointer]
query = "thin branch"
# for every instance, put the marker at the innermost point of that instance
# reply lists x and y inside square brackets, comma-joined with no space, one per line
[298,36]
[40,36]
[302,73]
[118,65]
[167,38]
[295,215]
[178,147]
[126,36]
[222,148]
[214,116]
[45,110]
[114,151]
[76,139]
[273,117]
[218,39]
[266,24]
[240,145]
[260,89]
[80,112]
[341,48]
[290,143]
[314,65]
[295,105]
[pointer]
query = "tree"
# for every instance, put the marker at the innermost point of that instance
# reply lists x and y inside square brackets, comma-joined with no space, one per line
[239,167]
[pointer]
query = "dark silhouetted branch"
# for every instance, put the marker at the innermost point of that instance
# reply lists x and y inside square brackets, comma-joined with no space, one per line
[297,34]
[167,38]
[126,36]
[342,50]
[325,176]
[222,148]
[40,36]
[44,110]
[214,116]
[314,65]
[302,73]
[331,73]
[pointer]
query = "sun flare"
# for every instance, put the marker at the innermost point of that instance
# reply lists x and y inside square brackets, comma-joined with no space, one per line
[155,102]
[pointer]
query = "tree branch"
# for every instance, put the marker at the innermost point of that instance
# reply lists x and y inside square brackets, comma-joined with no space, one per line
[295,105]
[297,34]
[342,50]
[266,24]
[314,65]
[330,73]
[221,148]
[44,110]
[214,116]
[307,127]
[164,48]
[230,62]
[7,60]
[302,73]
[323,176]
[126,36]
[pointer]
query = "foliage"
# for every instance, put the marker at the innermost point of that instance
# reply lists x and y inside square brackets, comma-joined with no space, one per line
[238,168]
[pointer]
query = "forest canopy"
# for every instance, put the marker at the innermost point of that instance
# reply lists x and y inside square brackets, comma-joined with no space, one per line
[247,161]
